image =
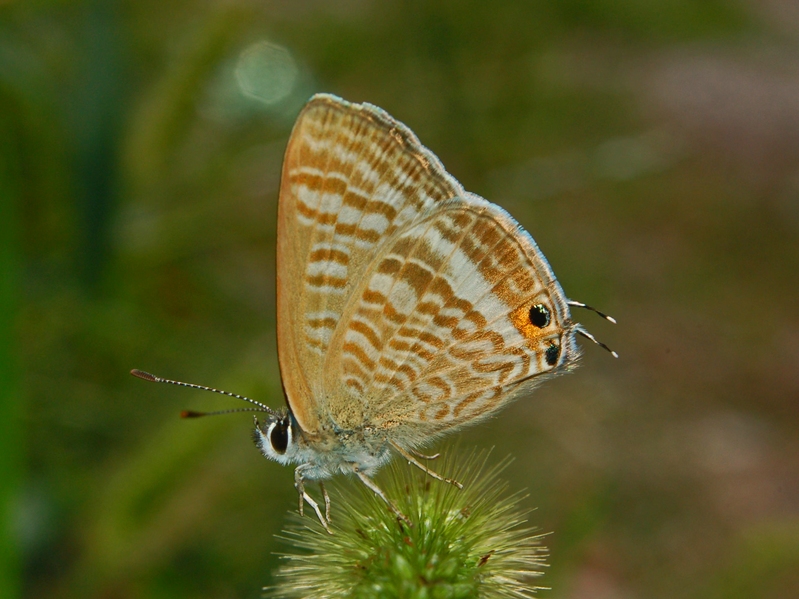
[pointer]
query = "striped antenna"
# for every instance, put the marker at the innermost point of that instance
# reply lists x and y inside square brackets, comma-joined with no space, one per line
[587,307]
[590,337]
[193,414]
[189,414]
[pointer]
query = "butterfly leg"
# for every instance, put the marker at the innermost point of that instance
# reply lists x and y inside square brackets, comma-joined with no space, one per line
[379,492]
[424,468]
[423,456]
[300,486]
[327,501]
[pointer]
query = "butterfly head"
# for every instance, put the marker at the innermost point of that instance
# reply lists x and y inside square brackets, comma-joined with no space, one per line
[276,437]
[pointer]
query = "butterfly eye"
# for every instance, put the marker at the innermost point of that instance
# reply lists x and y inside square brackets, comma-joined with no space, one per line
[279,437]
[539,315]
[552,354]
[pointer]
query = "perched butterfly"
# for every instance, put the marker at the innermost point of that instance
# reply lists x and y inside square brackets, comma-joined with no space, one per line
[407,307]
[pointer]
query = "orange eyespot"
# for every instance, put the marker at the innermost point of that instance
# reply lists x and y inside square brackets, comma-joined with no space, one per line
[532,322]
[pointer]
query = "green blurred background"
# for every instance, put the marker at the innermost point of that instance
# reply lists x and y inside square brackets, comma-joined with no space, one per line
[650,146]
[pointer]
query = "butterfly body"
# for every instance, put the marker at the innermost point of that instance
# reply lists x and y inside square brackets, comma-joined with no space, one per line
[323,456]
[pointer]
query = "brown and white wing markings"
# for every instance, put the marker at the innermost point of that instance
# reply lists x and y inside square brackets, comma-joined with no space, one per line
[403,301]
[352,178]
[438,333]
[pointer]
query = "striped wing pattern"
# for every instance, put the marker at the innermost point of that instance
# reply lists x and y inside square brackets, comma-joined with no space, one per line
[352,177]
[439,334]
[403,301]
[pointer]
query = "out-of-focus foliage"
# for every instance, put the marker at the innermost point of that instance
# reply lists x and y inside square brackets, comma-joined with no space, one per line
[650,146]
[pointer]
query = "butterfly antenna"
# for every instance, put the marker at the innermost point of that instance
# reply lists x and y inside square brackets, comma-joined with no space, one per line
[189,414]
[587,307]
[587,335]
[193,414]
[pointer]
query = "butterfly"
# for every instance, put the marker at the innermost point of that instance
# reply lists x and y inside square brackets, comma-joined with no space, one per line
[407,307]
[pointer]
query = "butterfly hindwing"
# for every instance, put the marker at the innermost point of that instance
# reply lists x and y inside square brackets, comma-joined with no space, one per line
[439,331]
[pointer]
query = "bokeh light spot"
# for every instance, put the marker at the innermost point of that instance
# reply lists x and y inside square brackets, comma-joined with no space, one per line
[266,72]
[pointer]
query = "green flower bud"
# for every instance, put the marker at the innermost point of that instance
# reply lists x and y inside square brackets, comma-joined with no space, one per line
[463,543]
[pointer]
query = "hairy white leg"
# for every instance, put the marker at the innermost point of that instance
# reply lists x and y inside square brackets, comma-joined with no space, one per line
[425,469]
[379,492]
[327,501]
[423,456]
[300,485]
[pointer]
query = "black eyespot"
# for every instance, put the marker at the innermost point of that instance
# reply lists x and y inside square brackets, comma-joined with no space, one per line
[552,354]
[539,315]
[279,437]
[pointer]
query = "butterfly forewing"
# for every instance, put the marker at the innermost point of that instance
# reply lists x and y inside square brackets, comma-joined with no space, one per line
[352,178]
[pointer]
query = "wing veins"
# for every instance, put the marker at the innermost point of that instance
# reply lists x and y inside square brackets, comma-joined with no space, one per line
[414,349]
[427,328]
